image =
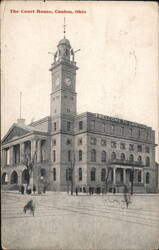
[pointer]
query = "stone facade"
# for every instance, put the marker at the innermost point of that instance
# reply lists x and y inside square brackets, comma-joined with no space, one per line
[94,151]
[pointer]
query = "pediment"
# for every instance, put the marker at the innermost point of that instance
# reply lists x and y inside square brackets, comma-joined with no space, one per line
[14,133]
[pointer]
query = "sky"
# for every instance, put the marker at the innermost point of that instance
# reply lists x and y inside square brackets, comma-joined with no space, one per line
[118,58]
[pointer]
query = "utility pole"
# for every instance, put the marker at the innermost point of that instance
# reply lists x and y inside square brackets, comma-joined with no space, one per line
[132,180]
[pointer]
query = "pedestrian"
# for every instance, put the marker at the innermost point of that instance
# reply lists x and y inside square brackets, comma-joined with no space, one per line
[76,191]
[29,190]
[44,189]
[34,188]
[114,190]
[126,197]
[22,189]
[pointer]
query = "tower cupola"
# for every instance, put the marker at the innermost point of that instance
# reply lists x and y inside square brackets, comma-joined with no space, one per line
[64,51]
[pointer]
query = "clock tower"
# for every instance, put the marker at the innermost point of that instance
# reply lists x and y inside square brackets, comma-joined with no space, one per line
[62,111]
[63,96]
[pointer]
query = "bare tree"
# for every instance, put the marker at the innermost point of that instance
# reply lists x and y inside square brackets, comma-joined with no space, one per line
[107,176]
[72,174]
[29,164]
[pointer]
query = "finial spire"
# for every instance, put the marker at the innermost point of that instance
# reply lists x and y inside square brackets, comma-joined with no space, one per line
[64,26]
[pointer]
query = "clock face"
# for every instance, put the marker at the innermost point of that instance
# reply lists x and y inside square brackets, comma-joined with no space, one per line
[57,81]
[68,81]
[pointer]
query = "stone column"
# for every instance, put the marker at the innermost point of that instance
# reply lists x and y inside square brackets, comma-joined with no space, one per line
[39,151]
[124,175]
[11,155]
[142,176]
[4,157]
[33,148]
[114,175]
[21,152]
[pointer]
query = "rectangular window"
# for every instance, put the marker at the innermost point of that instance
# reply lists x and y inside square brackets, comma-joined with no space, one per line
[131,147]
[130,131]
[147,149]
[68,174]
[113,144]
[122,145]
[54,174]
[92,125]
[80,141]
[122,130]
[80,125]
[103,127]
[69,155]
[54,126]
[112,129]
[68,142]
[103,142]
[139,176]
[93,141]
[68,126]
[54,155]
[80,174]
[139,148]
[147,135]
[54,142]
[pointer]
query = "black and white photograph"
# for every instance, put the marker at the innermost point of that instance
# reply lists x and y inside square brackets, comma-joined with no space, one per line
[80,125]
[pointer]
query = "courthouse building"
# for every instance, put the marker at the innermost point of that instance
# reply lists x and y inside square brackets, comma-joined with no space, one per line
[94,150]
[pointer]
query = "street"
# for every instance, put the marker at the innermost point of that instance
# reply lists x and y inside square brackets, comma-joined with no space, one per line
[63,221]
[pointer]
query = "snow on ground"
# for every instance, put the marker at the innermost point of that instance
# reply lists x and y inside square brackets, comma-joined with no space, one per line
[63,221]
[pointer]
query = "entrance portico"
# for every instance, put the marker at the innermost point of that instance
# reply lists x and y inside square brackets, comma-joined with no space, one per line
[122,175]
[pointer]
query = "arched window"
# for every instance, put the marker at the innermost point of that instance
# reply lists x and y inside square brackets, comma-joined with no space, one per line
[68,174]
[93,155]
[113,156]
[147,178]
[80,174]
[131,158]
[103,174]
[103,156]
[14,178]
[80,155]
[139,176]
[25,177]
[54,155]
[139,159]
[122,156]
[4,178]
[93,174]
[147,161]
[42,172]
[54,174]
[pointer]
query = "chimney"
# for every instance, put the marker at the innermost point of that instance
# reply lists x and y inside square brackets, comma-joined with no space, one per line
[21,121]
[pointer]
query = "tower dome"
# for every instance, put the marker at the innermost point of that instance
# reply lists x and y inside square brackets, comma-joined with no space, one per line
[64,41]
[64,50]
